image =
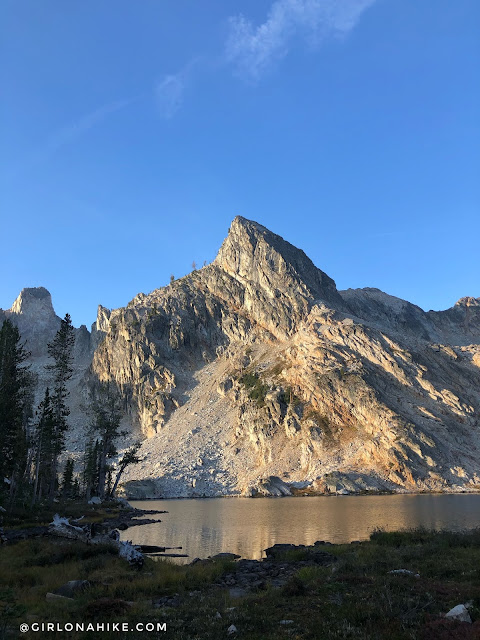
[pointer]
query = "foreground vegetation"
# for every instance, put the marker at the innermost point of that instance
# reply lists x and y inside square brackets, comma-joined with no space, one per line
[20,517]
[353,596]
[32,442]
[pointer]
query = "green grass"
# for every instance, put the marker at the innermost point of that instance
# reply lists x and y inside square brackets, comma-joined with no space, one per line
[422,536]
[356,597]
[26,517]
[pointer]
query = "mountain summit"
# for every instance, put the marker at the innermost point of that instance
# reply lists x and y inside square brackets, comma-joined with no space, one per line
[35,317]
[251,253]
[35,303]
[276,283]
[255,367]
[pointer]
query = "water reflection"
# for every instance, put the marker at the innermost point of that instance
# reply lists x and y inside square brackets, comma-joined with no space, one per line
[246,526]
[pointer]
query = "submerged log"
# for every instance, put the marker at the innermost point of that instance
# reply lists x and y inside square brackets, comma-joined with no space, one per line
[152,548]
[168,555]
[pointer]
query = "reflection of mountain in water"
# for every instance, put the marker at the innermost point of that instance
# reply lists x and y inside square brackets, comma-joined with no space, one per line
[246,527]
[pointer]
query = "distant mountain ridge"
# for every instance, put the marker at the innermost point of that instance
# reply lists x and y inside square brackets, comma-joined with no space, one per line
[256,367]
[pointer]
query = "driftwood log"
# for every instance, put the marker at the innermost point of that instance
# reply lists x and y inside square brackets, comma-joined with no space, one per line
[95,534]
[62,528]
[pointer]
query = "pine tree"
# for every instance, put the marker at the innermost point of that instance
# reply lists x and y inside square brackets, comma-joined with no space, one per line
[76,488]
[129,457]
[67,482]
[43,444]
[15,392]
[106,416]
[61,351]
[90,468]
[109,482]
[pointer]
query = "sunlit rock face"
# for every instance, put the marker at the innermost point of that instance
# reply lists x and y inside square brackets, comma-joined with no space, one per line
[255,367]
[35,317]
[276,282]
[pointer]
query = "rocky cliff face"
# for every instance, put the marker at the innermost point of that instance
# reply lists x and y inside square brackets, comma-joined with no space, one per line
[35,317]
[254,374]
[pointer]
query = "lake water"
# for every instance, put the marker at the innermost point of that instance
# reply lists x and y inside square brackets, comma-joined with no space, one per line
[246,526]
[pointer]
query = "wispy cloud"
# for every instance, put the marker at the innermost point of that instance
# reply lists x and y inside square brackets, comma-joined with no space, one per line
[169,94]
[170,90]
[67,135]
[253,49]
[72,132]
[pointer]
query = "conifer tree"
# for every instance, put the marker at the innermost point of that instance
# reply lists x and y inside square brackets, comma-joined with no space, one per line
[67,482]
[75,488]
[15,383]
[90,468]
[106,416]
[43,444]
[129,457]
[109,481]
[61,351]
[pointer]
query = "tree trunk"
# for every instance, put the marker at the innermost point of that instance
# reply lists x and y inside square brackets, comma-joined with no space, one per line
[53,479]
[117,480]
[13,491]
[102,463]
[37,471]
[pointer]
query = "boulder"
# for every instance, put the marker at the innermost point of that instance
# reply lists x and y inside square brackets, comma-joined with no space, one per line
[124,503]
[57,597]
[309,554]
[280,549]
[271,486]
[404,572]
[71,588]
[224,386]
[460,613]
[225,556]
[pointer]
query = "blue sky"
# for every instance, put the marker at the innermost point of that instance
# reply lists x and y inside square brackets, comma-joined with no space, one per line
[134,132]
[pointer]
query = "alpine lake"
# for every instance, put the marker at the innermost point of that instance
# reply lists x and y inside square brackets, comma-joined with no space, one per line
[246,526]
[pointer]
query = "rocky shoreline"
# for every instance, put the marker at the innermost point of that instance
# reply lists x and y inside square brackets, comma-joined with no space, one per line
[306,494]
[339,484]
[282,561]
[123,520]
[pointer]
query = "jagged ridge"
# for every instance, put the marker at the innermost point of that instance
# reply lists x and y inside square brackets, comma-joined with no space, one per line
[256,366]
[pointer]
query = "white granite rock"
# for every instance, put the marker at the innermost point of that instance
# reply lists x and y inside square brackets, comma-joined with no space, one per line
[460,612]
